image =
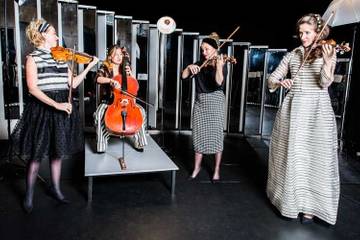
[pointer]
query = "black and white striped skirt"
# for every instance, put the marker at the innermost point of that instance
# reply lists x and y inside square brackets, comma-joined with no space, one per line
[208,122]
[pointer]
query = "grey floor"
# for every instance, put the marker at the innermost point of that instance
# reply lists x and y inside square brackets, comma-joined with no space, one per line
[140,206]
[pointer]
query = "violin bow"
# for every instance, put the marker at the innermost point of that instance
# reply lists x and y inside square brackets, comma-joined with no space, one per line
[207,60]
[72,76]
[313,45]
[133,96]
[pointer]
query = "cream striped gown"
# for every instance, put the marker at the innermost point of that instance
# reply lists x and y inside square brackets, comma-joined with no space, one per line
[303,175]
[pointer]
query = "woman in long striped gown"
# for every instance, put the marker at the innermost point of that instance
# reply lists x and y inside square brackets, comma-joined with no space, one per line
[303,175]
[49,128]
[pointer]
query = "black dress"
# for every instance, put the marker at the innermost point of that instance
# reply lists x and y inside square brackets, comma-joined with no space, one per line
[43,132]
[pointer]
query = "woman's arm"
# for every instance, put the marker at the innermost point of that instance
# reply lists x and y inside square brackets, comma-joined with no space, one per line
[79,78]
[219,74]
[328,69]
[31,81]
[279,73]
[191,69]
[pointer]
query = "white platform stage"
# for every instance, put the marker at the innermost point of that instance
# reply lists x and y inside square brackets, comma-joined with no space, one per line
[153,159]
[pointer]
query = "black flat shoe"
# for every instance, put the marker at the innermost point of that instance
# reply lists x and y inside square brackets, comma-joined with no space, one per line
[139,149]
[27,207]
[190,178]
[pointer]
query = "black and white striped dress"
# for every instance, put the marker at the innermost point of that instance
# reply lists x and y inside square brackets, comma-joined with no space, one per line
[44,133]
[303,174]
[208,115]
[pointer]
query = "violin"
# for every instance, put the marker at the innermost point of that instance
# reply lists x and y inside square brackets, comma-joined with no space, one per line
[61,54]
[123,116]
[226,58]
[342,48]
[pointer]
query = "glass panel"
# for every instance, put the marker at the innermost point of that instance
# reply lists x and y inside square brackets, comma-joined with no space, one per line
[49,12]
[123,32]
[27,12]
[272,100]
[337,91]
[89,25]
[170,78]
[235,100]
[254,86]
[190,41]
[69,24]
[109,31]
[141,61]
[8,58]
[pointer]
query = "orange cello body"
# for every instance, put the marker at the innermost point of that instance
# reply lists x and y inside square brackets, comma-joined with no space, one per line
[123,116]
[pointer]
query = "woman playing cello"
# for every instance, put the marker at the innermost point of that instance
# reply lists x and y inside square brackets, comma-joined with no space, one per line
[109,70]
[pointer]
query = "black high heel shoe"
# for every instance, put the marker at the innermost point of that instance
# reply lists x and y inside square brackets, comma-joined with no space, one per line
[55,195]
[191,178]
[28,207]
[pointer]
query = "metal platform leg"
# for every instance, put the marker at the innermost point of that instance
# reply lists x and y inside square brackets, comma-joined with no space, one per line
[90,189]
[173,181]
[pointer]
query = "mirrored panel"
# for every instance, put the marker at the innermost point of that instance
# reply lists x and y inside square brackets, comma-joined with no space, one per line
[69,25]
[49,11]
[239,73]
[337,92]
[87,41]
[139,58]
[273,100]
[170,88]
[187,88]
[123,34]
[9,102]
[27,12]
[254,89]
[104,39]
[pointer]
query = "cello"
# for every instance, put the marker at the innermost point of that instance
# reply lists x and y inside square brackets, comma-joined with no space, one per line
[123,117]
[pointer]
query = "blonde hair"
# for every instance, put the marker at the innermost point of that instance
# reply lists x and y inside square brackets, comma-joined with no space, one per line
[33,34]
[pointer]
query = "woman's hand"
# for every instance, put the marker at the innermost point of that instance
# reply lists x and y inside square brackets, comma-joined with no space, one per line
[115,84]
[128,71]
[64,106]
[220,61]
[194,69]
[286,83]
[328,53]
[94,61]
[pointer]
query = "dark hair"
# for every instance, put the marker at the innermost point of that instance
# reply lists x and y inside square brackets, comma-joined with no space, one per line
[212,40]
[316,21]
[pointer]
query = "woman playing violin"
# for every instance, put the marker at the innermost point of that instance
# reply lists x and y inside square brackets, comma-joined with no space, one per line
[109,69]
[303,175]
[209,108]
[49,128]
